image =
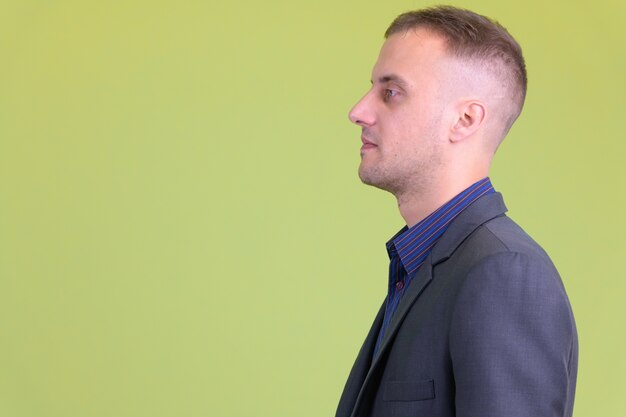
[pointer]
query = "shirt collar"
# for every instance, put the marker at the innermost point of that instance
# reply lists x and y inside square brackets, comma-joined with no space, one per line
[414,244]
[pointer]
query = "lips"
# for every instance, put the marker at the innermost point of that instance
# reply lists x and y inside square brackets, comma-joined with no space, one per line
[367,144]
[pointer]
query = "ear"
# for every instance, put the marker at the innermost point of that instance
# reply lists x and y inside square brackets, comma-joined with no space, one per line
[470,116]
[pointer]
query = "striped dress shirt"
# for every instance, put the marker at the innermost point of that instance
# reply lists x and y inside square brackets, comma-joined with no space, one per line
[410,246]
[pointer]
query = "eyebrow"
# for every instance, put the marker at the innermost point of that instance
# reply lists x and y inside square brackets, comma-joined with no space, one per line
[392,78]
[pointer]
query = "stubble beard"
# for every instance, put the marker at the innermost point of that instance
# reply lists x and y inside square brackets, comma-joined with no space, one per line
[403,177]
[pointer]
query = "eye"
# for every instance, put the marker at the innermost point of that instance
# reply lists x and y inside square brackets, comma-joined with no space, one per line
[388,94]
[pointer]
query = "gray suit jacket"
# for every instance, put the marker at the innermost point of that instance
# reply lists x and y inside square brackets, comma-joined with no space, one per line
[485,329]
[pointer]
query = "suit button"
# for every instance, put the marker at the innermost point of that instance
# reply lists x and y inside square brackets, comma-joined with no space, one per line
[399,285]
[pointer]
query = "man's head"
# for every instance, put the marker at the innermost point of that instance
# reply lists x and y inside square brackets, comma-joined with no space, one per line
[446,88]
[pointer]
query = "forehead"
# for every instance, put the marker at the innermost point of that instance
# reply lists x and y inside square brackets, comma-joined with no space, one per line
[411,53]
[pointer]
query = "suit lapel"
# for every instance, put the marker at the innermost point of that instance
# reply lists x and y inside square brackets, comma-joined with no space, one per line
[422,278]
[420,281]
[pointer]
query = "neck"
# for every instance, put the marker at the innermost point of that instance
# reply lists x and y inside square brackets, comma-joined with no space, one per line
[416,205]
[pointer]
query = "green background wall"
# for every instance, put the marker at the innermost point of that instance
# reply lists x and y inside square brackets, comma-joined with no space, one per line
[182,230]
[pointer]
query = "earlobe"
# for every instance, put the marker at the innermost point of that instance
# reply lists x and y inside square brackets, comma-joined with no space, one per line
[469,119]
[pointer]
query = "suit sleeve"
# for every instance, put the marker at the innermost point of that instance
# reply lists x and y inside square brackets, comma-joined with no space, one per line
[513,341]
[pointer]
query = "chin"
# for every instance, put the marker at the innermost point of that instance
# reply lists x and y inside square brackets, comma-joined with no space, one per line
[375,179]
[364,175]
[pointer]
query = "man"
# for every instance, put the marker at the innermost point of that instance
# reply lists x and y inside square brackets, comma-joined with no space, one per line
[476,321]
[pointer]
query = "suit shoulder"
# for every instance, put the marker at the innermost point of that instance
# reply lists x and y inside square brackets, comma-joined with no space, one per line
[502,234]
[501,245]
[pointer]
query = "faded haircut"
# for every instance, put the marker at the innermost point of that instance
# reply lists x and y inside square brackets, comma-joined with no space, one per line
[477,38]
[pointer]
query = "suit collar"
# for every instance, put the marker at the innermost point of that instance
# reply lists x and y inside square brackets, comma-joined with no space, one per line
[479,212]
[413,244]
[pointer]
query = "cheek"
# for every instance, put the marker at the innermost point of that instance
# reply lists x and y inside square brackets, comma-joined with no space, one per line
[408,128]
[407,131]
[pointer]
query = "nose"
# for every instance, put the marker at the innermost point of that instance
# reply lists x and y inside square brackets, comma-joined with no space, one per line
[362,113]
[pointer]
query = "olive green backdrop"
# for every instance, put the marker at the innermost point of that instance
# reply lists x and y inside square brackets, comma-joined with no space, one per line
[182,230]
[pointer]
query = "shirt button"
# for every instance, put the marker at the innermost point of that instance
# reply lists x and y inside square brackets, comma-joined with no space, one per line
[399,285]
